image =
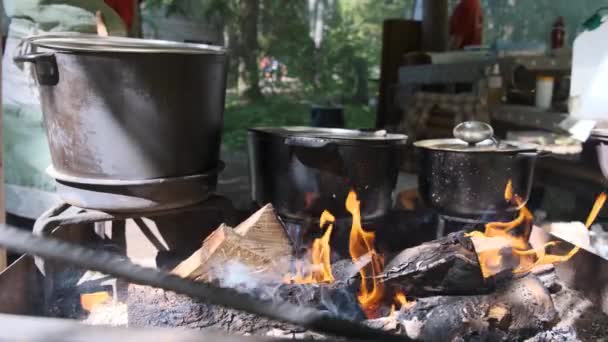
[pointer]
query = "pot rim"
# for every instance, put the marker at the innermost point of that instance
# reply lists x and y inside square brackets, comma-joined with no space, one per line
[512,146]
[80,42]
[333,134]
[60,176]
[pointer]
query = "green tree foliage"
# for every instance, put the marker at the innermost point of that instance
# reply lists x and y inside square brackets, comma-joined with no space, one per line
[335,70]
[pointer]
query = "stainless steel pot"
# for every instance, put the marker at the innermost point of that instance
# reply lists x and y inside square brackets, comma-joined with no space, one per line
[304,170]
[129,109]
[466,178]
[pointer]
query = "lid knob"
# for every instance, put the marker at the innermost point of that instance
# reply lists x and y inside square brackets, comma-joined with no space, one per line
[473,132]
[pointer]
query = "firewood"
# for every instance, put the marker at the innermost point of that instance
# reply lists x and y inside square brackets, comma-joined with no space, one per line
[516,310]
[260,242]
[270,236]
[501,249]
[222,246]
[447,266]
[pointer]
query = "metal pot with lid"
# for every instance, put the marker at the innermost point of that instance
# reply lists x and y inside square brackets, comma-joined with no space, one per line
[135,114]
[129,109]
[305,170]
[465,178]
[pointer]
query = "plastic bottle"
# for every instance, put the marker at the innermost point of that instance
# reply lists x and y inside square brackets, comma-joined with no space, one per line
[544,91]
[495,86]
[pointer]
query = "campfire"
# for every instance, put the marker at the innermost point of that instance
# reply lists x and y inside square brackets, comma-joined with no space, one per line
[494,283]
[422,291]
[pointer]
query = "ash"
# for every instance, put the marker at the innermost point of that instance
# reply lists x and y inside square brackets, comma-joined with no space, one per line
[566,334]
[151,307]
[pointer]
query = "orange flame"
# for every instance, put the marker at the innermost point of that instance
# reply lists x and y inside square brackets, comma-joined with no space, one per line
[361,243]
[320,268]
[401,302]
[400,298]
[597,206]
[499,236]
[544,259]
[509,191]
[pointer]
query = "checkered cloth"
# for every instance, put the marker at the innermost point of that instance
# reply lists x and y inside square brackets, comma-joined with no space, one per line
[421,105]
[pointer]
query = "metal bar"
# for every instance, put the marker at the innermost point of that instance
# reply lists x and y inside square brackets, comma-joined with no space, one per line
[57,216]
[119,266]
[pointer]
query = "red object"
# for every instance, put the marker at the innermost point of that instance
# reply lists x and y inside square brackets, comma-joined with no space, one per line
[125,9]
[467,23]
[558,33]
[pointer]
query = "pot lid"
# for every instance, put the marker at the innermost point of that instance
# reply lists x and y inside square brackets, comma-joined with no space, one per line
[474,136]
[457,145]
[79,42]
[332,133]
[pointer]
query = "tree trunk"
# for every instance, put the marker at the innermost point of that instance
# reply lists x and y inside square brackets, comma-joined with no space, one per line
[249,12]
[361,89]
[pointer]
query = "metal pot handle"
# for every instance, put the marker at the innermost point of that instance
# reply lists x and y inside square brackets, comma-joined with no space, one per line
[537,153]
[473,132]
[45,64]
[312,142]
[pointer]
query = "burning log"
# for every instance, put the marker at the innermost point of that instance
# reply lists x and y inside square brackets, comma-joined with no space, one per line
[447,266]
[517,310]
[260,242]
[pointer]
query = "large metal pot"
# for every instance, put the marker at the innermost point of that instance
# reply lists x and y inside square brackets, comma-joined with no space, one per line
[303,170]
[465,178]
[129,109]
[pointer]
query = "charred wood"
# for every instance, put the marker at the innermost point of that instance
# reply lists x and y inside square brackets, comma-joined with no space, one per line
[518,310]
[151,307]
[337,298]
[447,266]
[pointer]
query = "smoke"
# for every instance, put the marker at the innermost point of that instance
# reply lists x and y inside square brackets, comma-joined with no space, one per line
[339,299]
[246,279]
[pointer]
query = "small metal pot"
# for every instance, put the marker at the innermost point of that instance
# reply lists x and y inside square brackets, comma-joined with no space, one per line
[465,178]
[304,170]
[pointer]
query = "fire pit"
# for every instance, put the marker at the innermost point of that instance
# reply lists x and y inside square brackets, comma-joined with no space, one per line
[490,284]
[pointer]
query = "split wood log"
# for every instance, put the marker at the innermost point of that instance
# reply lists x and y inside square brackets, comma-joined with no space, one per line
[222,246]
[447,266]
[260,243]
[519,309]
[264,228]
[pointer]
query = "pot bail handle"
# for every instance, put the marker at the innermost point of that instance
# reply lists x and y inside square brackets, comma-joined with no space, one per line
[45,64]
[474,132]
[313,142]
